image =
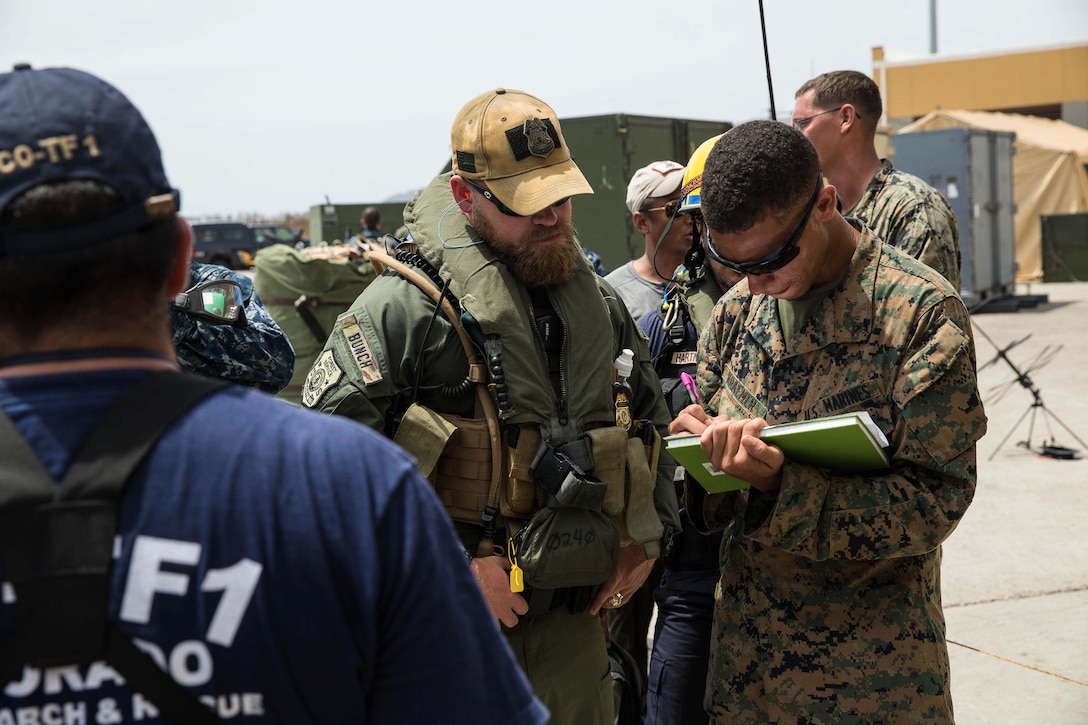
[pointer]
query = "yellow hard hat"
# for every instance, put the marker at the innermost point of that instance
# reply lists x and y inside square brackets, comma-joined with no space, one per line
[692,187]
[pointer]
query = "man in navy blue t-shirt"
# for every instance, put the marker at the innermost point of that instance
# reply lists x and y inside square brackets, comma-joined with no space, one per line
[281,565]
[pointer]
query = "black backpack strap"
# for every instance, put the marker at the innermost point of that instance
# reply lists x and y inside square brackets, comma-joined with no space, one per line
[129,430]
[175,703]
[302,306]
[24,481]
[57,548]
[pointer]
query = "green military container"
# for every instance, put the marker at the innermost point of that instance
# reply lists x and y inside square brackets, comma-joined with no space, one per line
[1065,247]
[332,223]
[608,150]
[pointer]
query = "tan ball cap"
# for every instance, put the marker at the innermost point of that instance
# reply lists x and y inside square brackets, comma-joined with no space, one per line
[513,141]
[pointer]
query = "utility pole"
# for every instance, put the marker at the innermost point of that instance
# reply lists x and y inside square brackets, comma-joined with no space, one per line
[932,27]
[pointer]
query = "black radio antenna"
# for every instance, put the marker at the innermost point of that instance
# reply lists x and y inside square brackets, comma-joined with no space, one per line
[767,58]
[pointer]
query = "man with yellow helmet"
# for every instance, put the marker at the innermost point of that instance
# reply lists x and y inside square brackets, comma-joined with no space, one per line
[685,598]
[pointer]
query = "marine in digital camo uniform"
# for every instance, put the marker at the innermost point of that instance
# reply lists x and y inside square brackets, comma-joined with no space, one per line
[257,354]
[838,112]
[545,352]
[913,217]
[829,607]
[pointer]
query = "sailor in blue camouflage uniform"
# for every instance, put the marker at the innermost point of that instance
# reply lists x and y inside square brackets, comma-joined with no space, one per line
[838,112]
[257,354]
[829,607]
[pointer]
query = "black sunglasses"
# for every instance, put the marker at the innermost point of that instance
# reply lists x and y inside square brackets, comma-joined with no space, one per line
[503,207]
[780,257]
[671,208]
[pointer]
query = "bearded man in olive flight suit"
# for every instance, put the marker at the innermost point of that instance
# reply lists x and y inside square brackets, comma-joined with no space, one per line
[496,234]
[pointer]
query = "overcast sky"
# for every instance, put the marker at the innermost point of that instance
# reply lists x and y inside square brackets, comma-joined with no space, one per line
[270,106]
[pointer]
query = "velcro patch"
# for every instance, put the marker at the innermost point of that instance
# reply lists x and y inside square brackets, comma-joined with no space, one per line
[324,373]
[466,162]
[685,357]
[535,137]
[360,350]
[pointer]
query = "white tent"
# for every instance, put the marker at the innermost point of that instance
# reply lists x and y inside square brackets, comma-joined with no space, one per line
[1048,168]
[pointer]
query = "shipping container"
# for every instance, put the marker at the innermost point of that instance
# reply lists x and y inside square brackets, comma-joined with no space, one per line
[1065,247]
[609,150]
[972,167]
[332,223]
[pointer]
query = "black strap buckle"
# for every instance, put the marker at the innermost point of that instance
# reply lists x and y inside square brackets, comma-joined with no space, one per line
[550,468]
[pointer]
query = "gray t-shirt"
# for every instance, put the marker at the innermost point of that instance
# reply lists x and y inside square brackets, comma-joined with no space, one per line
[640,295]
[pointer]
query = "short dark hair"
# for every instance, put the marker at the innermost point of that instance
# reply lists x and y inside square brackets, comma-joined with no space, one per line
[757,170]
[833,89]
[41,290]
[372,217]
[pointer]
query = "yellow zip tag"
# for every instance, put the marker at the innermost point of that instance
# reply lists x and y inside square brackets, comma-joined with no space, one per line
[517,579]
[517,582]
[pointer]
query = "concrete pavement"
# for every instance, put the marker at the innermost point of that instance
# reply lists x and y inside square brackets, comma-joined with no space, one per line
[1015,572]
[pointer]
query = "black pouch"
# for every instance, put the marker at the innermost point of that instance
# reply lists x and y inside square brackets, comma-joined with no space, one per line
[567,546]
[562,478]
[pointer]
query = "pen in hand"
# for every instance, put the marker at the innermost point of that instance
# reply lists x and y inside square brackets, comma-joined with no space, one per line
[689,384]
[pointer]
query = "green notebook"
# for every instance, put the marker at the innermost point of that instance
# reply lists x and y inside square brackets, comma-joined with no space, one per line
[847,443]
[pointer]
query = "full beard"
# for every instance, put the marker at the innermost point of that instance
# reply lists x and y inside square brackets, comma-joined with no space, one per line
[533,263]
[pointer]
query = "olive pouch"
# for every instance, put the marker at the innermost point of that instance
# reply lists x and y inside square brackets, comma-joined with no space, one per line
[454,454]
[567,546]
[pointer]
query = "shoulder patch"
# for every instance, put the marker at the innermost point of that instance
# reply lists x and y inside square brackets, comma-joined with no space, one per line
[324,373]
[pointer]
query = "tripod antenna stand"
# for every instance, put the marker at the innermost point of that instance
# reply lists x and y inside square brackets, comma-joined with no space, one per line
[1037,404]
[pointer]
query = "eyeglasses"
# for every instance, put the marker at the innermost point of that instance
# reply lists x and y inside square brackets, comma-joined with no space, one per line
[671,208]
[503,207]
[802,123]
[780,257]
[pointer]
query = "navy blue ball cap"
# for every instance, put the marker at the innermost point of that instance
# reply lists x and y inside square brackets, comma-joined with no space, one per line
[61,124]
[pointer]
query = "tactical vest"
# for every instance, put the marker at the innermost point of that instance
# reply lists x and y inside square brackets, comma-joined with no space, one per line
[677,355]
[484,468]
[689,307]
[56,543]
[493,464]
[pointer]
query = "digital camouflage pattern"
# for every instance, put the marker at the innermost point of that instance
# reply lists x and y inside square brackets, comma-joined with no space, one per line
[830,606]
[596,261]
[258,355]
[913,217]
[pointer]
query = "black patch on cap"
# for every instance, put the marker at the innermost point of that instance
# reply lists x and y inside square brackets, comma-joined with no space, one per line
[532,138]
[466,161]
